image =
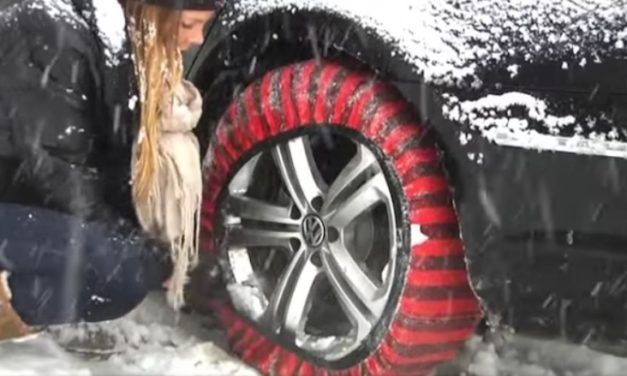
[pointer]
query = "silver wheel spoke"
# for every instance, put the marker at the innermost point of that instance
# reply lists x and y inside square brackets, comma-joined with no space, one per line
[292,297]
[354,290]
[343,266]
[314,233]
[244,237]
[250,208]
[363,161]
[299,172]
[374,191]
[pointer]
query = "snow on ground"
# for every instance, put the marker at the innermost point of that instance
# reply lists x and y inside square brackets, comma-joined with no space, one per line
[516,355]
[153,340]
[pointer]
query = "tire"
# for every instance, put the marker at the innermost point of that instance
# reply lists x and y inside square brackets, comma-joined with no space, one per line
[430,309]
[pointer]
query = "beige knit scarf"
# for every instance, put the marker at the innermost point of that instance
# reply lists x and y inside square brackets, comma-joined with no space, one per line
[172,213]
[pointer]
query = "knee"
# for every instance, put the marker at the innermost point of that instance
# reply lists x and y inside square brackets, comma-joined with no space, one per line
[106,308]
[41,301]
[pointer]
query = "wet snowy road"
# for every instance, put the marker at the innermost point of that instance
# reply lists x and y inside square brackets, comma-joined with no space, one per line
[153,341]
[523,356]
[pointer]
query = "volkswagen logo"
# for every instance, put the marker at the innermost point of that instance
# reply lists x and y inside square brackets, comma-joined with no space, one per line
[314,232]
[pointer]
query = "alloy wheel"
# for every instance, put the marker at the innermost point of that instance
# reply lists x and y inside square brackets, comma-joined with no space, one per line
[311,242]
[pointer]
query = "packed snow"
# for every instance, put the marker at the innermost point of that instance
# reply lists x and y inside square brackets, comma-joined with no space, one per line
[505,354]
[154,340]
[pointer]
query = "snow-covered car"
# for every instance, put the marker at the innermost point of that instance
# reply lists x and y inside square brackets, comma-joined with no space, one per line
[382,175]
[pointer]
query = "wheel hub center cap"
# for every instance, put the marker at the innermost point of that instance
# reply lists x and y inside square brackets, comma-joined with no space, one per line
[314,230]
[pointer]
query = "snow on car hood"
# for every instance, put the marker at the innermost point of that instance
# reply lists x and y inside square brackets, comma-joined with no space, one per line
[450,41]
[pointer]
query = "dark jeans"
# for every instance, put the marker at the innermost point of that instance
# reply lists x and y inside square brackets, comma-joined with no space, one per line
[65,270]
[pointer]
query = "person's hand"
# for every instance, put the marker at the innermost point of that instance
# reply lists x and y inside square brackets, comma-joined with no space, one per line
[167,284]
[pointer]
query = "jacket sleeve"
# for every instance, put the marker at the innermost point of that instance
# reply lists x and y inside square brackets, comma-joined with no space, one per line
[49,89]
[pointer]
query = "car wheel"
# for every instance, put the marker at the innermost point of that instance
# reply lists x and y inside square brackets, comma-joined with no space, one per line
[332,220]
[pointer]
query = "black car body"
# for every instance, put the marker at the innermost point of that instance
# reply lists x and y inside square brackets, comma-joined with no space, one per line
[529,103]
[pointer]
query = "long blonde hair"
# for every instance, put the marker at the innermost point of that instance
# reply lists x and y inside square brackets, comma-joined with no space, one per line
[153,33]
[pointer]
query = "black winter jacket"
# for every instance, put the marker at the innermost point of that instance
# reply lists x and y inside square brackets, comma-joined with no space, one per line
[67,117]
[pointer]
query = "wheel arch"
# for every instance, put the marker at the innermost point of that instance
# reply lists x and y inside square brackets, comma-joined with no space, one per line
[237,53]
